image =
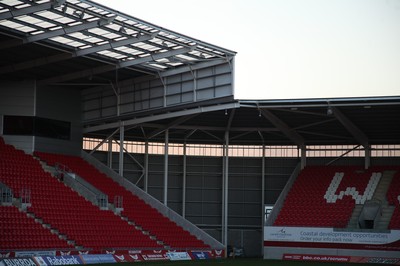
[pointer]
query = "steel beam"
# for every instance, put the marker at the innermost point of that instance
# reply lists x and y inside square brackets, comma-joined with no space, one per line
[106,68]
[66,30]
[283,127]
[166,146]
[68,55]
[174,123]
[142,120]
[351,127]
[26,10]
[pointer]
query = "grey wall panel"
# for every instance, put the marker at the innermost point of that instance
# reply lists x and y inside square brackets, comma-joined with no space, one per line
[60,103]
[17,98]
[151,92]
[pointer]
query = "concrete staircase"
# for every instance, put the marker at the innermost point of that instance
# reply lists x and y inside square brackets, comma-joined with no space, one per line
[353,223]
[380,194]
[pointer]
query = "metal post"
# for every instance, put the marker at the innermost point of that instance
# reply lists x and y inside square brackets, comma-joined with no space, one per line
[146,165]
[109,155]
[262,197]
[225,189]
[184,182]
[121,150]
[303,158]
[367,156]
[166,167]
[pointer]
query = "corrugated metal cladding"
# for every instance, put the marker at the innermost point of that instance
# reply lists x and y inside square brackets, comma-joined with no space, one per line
[151,92]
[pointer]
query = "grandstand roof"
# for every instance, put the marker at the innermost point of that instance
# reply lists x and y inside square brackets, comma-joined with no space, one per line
[70,41]
[340,121]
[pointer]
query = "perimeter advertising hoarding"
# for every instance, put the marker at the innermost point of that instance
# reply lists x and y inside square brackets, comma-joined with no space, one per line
[178,256]
[17,262]
[57,260]
[329,238]
[330,258]
[98,258]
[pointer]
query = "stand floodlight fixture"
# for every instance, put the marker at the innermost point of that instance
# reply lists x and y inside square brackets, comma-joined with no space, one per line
[79,14]
[122,30]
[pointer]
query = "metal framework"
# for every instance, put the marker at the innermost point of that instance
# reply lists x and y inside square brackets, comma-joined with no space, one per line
[84,28]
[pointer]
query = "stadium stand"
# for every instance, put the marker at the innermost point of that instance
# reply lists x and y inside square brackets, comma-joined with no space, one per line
[18,231]
[134,208]
[61,209]
[326,196]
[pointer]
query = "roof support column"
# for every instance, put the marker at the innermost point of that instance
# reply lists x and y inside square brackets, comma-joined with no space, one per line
[262,196]
[166,167]
[367,156]
[303,158]
[146,165]
[225,187]
[121,150]
[109,154]
[184,181]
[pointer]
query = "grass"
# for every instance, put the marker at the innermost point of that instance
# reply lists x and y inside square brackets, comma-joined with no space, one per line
[236,262]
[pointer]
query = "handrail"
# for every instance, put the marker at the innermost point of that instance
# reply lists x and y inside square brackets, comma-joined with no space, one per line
[6,194]
[81,185]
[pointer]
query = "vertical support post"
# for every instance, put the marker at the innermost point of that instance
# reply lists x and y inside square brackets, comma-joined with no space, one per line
[166,167]
[146,165]
[109,154]
[121,150]
[184,182]
[303,159]
[367,156]
[225,191]
[262,197]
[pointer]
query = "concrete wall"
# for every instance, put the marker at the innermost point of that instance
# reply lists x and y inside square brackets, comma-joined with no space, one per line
[23,98]
[60,103]
[18,98]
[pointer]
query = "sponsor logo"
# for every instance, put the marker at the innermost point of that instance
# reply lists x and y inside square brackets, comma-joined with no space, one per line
[135,257]
[5,255]
[98,258]
[178,256]
[84,252]
[316,258]
[154,257]
[218,252]
[200,255]
[60,260]
[65,253]
[110,252]
[134,251]
[383,260]
[18,262]
[281,233]
[157,251]
[34,253]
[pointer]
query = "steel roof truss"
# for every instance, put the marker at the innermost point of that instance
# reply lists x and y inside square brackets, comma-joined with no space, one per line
[282,126]
[351,127]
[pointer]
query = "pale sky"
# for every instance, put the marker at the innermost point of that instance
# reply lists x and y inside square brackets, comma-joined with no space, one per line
[290,49]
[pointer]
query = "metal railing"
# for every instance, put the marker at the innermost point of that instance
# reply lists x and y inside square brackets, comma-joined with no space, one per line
[81,186]
[6,195]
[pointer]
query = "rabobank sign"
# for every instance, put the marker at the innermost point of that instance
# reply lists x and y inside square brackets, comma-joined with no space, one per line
[58,260]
